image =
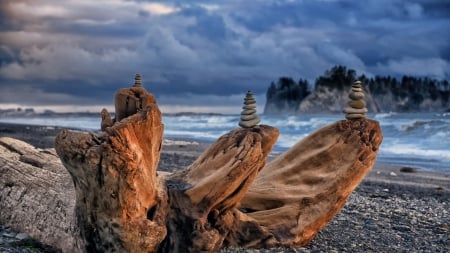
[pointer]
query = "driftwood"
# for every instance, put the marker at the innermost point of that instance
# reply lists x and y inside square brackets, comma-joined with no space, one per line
[37,195]
[227,197]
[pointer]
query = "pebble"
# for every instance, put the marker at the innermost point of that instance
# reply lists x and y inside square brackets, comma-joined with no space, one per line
[13,242]
[22,236]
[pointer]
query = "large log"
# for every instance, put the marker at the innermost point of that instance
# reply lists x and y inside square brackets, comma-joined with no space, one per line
[37,195]
[227,197]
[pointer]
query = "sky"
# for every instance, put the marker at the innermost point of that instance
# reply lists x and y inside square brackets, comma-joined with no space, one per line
[203,56]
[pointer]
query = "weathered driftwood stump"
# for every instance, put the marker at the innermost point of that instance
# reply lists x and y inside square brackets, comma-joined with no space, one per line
[225,198]
[114,174]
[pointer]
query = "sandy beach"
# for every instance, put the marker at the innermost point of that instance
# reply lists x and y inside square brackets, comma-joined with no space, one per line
[395,209]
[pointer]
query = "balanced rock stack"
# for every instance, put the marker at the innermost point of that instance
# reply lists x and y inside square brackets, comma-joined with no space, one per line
[137,81]
[356,108]
[248,114]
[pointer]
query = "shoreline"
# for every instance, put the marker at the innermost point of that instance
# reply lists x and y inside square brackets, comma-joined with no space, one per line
[43,137]
[393,209]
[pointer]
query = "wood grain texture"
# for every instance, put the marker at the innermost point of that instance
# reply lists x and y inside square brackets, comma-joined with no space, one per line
[37,195]
[115,180]
[299,192]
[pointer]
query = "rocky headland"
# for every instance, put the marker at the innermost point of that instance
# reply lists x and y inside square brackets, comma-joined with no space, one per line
[382,94]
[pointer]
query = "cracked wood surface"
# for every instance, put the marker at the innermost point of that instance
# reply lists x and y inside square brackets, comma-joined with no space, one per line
[202,215]
[300,191]
[115,181]
[37,195]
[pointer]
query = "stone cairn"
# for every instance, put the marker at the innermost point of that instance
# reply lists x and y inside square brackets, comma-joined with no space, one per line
[248,114]
[137,81]
[356,108]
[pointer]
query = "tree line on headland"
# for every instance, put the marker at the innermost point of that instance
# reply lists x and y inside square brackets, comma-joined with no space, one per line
[383,93]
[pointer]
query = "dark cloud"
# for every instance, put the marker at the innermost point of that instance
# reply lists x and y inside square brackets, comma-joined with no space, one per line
[81,52]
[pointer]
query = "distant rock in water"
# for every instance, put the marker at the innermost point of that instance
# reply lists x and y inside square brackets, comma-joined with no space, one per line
[382,94]
[356,108]
[248,114]
[285,96]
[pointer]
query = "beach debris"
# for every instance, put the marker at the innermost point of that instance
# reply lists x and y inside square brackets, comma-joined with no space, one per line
[408,170]
[356,108]
[249,118]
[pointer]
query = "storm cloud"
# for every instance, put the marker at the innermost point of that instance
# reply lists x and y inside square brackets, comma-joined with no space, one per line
[204,53]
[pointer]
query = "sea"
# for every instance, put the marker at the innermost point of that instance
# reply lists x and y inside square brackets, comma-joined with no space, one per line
[419,140]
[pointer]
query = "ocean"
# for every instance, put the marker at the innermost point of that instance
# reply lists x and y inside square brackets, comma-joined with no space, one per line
[420,140]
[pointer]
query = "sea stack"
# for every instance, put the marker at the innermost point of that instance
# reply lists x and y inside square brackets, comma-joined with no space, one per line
[248,114]
[356,108]
[137,81]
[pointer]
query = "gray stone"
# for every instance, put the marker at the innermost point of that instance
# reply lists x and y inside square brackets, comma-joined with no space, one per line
[355,110]
[252,106]
[356,95]
[9,234]
[248,111]
[248,117]
[22,236]
[249,124]
[358,104]
[355,116]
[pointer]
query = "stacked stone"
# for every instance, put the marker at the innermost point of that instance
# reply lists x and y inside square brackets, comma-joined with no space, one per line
[137,80]
[248,114]
[356,108]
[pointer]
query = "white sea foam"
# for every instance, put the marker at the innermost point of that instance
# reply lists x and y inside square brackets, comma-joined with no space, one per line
[168,142]
[415,151]
[285,141]
[406,137]
[384,115]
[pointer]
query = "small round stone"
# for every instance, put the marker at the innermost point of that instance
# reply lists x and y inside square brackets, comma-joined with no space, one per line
[358,104]
[252,106]
[356,95]
[354,110]
[355,116]
[248,111]
[250,123]
[248,117]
